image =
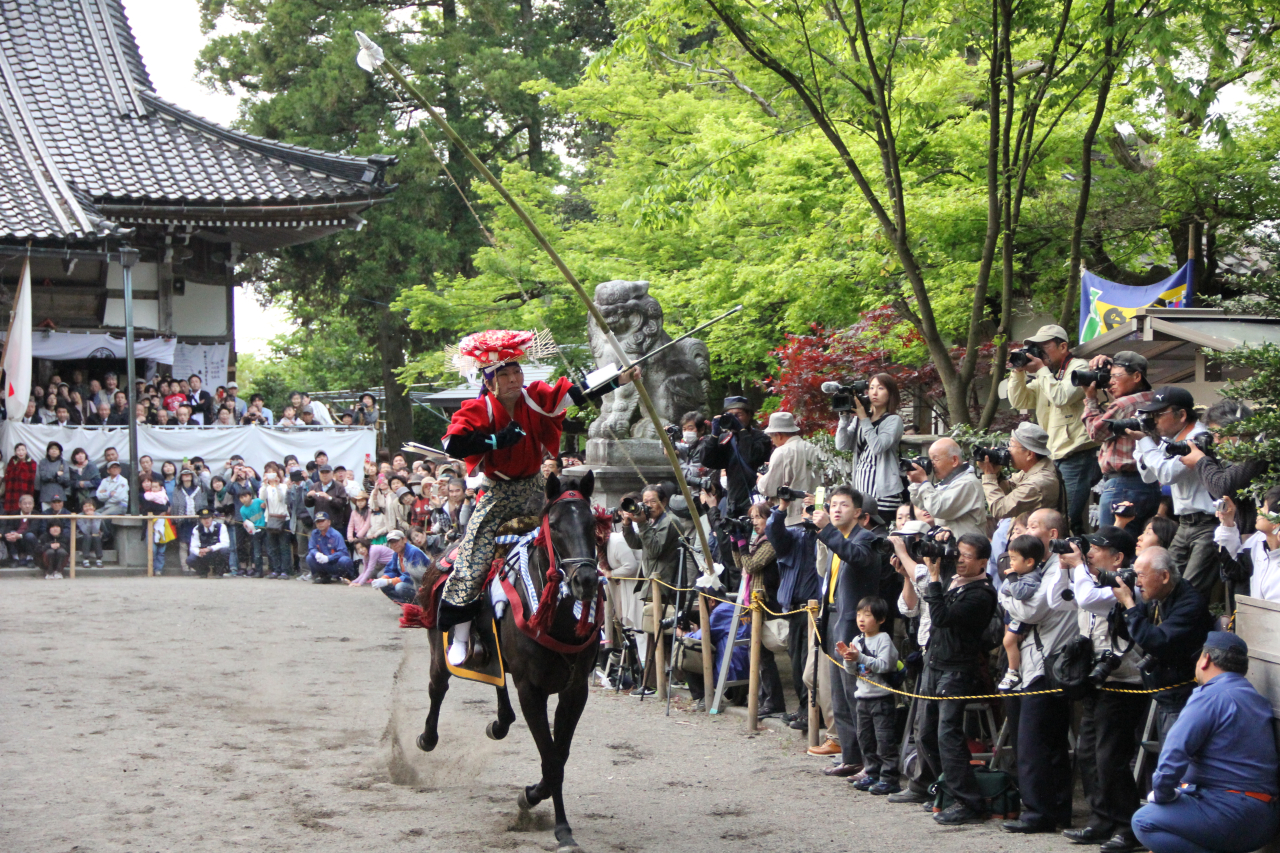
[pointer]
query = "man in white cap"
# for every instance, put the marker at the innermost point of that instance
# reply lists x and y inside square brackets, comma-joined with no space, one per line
[1034,484]
[1043,383]
[794,464]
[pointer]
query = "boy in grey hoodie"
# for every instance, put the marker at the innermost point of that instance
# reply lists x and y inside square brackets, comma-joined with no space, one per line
[872,655]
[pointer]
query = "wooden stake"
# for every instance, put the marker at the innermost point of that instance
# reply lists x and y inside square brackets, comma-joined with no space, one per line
[708,664]
[72,566]
[813,689]
[659,652]
[148,536]
[753,676]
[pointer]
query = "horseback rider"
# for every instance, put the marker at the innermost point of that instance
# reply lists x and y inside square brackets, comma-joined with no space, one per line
[505,431]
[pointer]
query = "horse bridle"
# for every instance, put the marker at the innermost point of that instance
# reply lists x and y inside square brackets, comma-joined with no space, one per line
[563,564]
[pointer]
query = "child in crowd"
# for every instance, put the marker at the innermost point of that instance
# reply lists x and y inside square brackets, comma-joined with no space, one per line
[89,540]
[1026,571]
[871,655]
[253,519]
[54,546]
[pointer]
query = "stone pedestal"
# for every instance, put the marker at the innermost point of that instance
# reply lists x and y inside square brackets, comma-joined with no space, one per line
[621,466]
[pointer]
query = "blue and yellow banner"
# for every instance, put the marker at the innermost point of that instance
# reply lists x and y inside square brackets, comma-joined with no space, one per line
[1104,305]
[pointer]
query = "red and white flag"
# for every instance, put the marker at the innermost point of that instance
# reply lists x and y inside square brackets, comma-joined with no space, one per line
[17,350]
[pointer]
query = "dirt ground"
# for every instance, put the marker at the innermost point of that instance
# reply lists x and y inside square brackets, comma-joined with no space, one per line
[174,714]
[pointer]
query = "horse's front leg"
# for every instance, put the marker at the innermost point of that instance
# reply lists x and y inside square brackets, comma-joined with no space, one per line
[573,699]
[438,686]
[533,704]
[497,729]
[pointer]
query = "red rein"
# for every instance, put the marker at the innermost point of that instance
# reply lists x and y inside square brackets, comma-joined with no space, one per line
[549,600]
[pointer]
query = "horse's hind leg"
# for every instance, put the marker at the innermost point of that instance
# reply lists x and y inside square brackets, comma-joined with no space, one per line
[569,710]
[438,686]
[533,704]
[497,729]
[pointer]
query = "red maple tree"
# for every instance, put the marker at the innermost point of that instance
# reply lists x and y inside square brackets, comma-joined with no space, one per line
[859,352]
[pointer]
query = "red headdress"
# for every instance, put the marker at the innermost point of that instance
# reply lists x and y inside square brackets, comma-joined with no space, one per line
[487,351]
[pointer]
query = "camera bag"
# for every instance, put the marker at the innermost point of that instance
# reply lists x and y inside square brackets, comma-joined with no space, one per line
[998,789]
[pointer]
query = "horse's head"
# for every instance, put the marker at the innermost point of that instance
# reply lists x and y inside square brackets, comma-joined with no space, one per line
[573,524]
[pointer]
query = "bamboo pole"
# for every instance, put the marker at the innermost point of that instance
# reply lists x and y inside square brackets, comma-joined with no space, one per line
[753,677]
[147,537]
[659,652]
[376,62]
[708,663]
[813,688]
[72,566]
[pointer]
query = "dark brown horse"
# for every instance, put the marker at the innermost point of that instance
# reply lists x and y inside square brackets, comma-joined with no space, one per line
[538,671]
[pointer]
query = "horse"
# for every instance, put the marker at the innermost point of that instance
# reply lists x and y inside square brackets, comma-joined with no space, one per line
[539,671]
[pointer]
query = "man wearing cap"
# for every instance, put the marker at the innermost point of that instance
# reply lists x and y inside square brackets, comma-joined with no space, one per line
[505,432]
[1045,386]
[1035,484]
[327,556]
[210,547]
[1215,785]
[740,449]
[240,405]
[1106,744]
[1193,549]
[794,463]
[1129,389]
[57,506]
[328,495]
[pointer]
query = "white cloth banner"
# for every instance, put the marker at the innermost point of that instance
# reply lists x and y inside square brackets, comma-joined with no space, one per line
[257,444]
[208,361]
[17,358]
[64,346]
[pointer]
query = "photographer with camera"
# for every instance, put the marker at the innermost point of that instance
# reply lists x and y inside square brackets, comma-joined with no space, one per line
[795,547]
[872,432]
[1106,744]
[1043,720]
[1193,551]
[651,530]
[959,613]
[1224,480]
[1170,622]
[1035,484]
[1041,380]
[691,442]
[1261,550]
[760,562]
[849,568]
[1122,484]
[794,465]
[739,450]
[955,501]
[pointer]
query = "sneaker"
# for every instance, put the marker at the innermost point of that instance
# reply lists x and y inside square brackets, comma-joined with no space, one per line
[642,691]
[85,564]
[881,789]
[910,796]
[1012,681]
[231,574]
[255,574]
[306,576]
[56,576]
[959,814]
[765,714]
[48,576]
[800,724]
[866,783]
[97,563]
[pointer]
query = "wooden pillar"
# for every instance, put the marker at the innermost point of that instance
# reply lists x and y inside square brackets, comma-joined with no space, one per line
[753,677]
[813,690]
[659,652]
[72,566]
[148,538]
[708,664]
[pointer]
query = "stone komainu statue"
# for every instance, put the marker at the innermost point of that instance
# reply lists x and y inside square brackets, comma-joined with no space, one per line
[678,380]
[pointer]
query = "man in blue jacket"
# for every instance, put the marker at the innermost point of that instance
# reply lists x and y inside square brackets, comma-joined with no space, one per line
[1215,786]
[798,583]
[327,556]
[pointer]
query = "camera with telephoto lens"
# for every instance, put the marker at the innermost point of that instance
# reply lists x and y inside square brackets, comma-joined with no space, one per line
[788,494]
[1085,378]
[1119,426]
[1019,358]
[1063,546]
[1106,663]
[1204,441]
[739,527]
[729,422]
[842,396]
[628,505]
[1147,664]
[906,466]
[923,546]
[1111,580]
[999,456]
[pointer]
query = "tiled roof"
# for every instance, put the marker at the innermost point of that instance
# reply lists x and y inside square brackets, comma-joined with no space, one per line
[80,125]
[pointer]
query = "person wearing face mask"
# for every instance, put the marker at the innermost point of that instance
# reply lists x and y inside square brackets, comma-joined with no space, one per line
[693,444]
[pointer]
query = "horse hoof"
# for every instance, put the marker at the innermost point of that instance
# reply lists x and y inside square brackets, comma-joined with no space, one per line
[495,731]
[564,837]
[427,744]
[523,802]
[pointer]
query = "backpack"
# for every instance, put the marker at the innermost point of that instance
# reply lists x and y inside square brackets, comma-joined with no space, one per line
[894,678]
[1070,667]
[998,789]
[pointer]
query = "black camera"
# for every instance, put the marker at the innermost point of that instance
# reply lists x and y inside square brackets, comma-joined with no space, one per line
[1020,357]
[1118,426]
[740,527]
[628,505]
[999,456]
[1111,580]
[1204,441]
[1147,664]
[1085,378]
[674,433]
[1063,546]
[789,494]
[906,466]
[1122,509]
[842,396]
[763,469]
[729,422]
[923,546]
[1106,663]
